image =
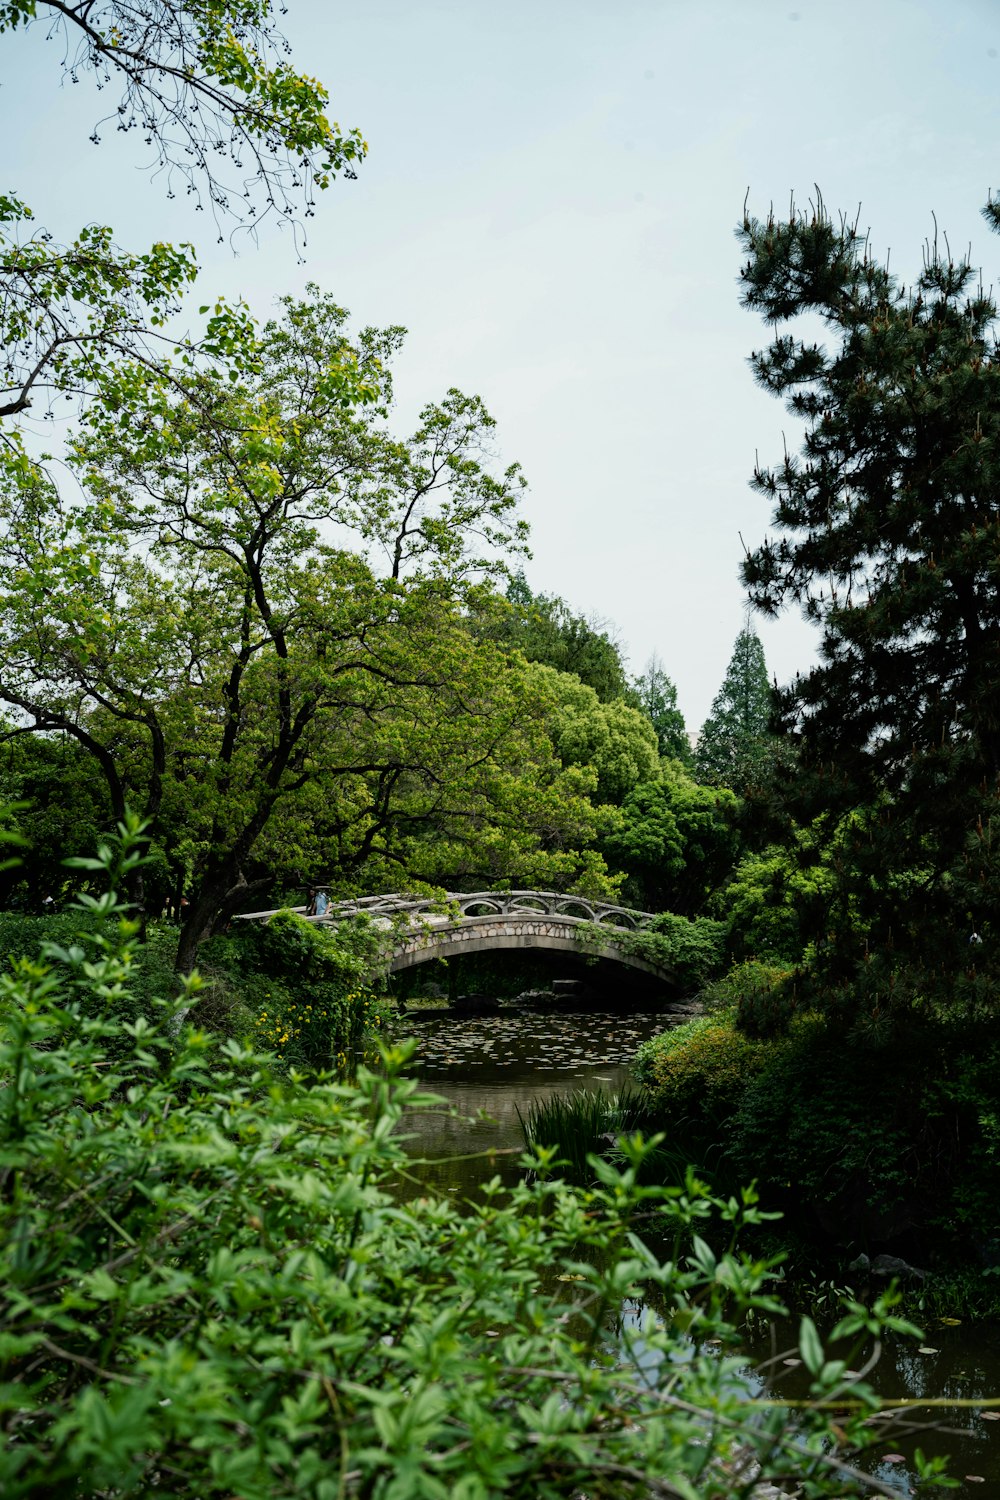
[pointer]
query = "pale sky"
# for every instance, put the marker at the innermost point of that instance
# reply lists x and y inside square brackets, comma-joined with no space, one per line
[548,206]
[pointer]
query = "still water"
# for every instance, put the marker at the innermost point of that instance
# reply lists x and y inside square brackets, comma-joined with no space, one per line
[488,1068]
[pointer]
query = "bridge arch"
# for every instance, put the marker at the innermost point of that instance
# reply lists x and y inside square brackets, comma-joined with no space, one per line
[490,933]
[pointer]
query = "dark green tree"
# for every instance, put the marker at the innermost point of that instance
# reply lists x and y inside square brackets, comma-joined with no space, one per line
[62,809]
[675,841]
[657,697]
[543,628]
[735,739]
[888,537]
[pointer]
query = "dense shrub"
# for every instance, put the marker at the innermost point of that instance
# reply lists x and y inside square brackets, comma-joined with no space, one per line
[207,1289]
[309,992]
[762,997]
[868,1136]
[22,937]
[699,1070]
[691,949]
[869,1144]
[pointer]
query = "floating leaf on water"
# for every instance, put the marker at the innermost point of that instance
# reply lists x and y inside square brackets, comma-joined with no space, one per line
[949,1322]
[791,1362]
[990,1416]
[571,1278]
[926,1349]
[974,1479]
[893,1458]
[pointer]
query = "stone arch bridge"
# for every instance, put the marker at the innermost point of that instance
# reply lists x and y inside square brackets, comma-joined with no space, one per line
[420,929]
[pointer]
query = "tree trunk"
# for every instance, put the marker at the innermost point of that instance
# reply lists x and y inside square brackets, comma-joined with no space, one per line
[219,895]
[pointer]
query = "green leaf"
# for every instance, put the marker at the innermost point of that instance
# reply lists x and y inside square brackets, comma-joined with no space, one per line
[810,1346]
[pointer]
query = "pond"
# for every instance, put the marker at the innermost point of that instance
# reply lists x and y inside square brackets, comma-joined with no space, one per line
[490,1067]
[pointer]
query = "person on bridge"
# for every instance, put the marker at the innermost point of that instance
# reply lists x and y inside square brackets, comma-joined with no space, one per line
[320,903]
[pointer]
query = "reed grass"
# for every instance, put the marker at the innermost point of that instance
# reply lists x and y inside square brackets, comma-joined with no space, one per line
[590,1123]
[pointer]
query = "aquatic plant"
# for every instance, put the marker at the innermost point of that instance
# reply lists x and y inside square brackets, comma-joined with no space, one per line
[589,1123]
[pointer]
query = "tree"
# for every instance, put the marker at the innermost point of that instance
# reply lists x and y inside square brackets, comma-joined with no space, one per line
[543,628]
[732,748]
[613,741]
[253,619]
[202,83]
[889,539]
[675,840]
[63,810]
[657,697]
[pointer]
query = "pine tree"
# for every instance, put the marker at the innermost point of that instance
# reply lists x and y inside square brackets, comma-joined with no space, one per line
[733,746]
[888,537]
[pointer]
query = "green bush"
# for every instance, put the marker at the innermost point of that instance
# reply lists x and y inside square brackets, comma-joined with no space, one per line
[208,1289]
[762,997]
[22,937]
[691,949]
[880,1141]
[698,1071]
[308,991]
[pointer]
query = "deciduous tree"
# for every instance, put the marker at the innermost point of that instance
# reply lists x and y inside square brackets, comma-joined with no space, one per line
[209,88]
[543,628]
[613,741]
[675,840]
[253,614]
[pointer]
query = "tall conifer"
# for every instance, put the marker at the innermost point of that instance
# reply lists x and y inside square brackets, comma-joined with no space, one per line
[732,747]
[657,697]
[887,535]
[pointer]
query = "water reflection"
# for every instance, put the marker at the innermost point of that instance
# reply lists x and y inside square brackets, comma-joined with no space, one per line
[961,1364]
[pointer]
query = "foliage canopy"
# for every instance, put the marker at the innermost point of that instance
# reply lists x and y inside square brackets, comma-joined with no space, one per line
[202,83]
[253,617]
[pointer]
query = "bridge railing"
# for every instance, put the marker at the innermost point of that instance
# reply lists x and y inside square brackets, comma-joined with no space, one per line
[457,904]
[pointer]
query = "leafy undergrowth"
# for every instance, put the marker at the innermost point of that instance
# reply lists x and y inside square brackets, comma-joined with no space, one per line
[208,1287]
